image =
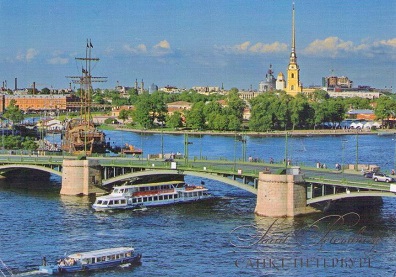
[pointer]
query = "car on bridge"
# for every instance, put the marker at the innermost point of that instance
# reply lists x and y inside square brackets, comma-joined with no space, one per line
[381,177]
[368,174]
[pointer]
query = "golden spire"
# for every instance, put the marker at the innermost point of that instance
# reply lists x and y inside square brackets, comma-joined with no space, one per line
[293,57]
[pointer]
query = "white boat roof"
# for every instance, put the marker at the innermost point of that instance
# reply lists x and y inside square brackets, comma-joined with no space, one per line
[147,184]
[101,252]
[111,197]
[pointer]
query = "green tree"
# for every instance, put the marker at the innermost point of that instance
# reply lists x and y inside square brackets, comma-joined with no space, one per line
[336,110]
[357,103]
[234,123]
[13,113]
[210,111]
[124,115]
[320,113]
[301,113]
[318,96]
[262,112]
[142,112]
[45,91]
[158,106]
[195,118]
[29,144]
[385,109]
[174,120]
[236,105]
[221,122]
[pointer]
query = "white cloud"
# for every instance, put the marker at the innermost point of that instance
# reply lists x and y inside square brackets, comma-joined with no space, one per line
[336,47]
[162,45]
[160,49]
[258,48]
[28,56]
[331,46]
[140,49]
[243,47]
[58,60]
[268,48]
[389,42]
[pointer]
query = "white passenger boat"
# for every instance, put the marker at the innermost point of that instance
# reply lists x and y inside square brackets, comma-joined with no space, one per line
[93,260]
[135,196]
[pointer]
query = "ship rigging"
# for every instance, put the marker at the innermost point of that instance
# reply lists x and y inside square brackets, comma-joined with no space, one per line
[81,136]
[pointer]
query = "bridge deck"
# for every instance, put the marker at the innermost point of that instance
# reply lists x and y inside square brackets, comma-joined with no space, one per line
[241,174]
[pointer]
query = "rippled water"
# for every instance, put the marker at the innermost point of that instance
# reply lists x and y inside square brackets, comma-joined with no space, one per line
[220,237]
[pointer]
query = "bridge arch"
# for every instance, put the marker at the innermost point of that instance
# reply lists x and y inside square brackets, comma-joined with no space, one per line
[206,175]
[350,195]
[10,167]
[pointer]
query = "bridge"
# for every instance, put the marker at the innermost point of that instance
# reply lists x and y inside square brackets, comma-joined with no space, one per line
[316,185]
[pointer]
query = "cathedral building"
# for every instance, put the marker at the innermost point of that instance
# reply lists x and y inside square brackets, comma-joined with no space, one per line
[291,84]
[269,83]
[294,85]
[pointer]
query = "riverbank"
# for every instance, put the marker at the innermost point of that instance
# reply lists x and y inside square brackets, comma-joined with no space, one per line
[295,133]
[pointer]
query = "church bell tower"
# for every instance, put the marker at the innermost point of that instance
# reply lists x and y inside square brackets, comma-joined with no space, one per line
[293,71]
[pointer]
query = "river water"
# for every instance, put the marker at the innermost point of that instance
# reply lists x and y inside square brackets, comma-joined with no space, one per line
[219,237]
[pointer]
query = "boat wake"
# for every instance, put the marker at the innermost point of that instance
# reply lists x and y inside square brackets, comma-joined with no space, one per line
[28,273]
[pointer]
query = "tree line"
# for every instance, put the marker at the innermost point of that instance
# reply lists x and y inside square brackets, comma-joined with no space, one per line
[269,111]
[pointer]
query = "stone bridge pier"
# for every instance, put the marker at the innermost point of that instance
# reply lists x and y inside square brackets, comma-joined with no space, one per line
[80,177]
[282,195]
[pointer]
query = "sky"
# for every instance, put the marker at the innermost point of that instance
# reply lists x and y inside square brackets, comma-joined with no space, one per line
[186,43]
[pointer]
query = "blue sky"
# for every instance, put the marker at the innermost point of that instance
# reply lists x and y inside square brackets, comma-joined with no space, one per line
[187,43]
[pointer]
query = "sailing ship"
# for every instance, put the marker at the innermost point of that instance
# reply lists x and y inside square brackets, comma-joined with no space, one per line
[81,136]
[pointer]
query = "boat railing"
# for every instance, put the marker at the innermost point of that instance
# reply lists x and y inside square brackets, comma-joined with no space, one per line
[5,270]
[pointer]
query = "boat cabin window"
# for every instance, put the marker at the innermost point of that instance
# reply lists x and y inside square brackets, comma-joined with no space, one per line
[115,190]
[105,202]
[123,201]
[166,197]
[176,196]
[144,199]
[111,202]
[99,202]
[155,198]
[93,260]
[83,261]
[160,197]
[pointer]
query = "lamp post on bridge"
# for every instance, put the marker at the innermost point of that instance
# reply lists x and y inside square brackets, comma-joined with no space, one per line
[2,134]
[186,143]
[394,158]
[244,141]
[357,151]
[343,141]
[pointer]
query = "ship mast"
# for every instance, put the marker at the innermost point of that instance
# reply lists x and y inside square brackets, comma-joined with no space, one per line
[85,81]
